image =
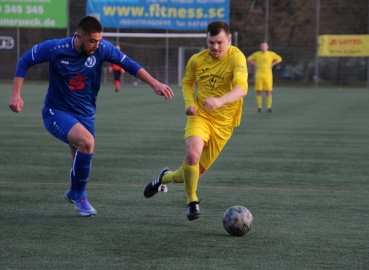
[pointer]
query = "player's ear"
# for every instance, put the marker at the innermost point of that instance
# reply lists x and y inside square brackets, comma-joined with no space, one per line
[79,36]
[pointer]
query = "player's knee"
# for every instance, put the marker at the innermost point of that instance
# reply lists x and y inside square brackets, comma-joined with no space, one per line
[86,145]
[90,145]
[192,158]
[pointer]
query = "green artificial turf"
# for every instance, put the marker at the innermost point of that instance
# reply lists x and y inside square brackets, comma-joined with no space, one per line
[302,171]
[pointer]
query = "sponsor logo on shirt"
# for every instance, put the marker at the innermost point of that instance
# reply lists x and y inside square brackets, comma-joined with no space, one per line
[64,62]
[213,79]
[78,82]
[90,62]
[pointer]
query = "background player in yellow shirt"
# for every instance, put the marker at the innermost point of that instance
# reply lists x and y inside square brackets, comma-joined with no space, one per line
[264,61]
[220,73]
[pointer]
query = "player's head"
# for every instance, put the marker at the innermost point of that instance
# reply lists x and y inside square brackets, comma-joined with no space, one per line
[89,35]
[117,46]
[264,46]
[218,37]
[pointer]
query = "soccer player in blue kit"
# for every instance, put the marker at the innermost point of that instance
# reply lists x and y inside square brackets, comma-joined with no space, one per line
[75,65]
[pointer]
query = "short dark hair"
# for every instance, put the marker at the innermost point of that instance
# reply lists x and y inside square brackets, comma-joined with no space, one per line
[215,27]
[89,24]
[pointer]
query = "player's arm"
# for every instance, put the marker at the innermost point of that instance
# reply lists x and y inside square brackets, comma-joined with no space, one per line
[15,102]
[276,60]
[212,103]
[38,54]
[252,60]
[252,63]
[114,56]
[158,87]
[188,87]
[237,92]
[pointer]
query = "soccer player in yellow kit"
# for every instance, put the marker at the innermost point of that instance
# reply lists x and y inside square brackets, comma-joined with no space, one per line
[264,61]
[220,73]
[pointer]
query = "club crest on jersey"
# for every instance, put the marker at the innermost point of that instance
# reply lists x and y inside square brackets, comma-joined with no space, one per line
[90,62]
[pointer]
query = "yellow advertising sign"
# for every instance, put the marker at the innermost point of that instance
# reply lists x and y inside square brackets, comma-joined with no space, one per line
[343,45]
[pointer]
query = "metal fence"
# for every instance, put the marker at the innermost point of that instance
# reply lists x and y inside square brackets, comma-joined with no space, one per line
[290,27]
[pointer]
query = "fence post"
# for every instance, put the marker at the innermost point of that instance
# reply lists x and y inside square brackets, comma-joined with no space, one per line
[367,59]
[266,20]
[317,44]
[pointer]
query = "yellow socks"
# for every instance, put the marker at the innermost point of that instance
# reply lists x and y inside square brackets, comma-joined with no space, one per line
[175,177]
[269,102]
[191,179]
[189,175]
[259,101]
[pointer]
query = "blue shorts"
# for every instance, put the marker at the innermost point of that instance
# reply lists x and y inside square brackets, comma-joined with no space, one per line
[59,123]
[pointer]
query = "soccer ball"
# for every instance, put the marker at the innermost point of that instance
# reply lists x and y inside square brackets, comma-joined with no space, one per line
[237,220]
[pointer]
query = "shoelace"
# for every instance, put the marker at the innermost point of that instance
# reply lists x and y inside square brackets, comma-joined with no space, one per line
[195,205]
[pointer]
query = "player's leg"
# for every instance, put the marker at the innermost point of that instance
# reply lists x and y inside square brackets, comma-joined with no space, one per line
[210,152]
[196,127]
[269,100]
[68,193]
[259,92]
[196,133]
[189,174]
[268,84]
[117,80]
[259,100]
[166,176]
[191,166]
[189,170]
[65,127]
[202,171]
[83,141]
[81,137]
[177,176]
[73,152]
[201,152]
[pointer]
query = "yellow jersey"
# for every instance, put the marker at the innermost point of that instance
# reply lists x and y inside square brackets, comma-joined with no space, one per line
[215,78]
[264,60]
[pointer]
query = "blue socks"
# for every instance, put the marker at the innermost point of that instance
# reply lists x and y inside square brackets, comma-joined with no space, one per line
[79,174]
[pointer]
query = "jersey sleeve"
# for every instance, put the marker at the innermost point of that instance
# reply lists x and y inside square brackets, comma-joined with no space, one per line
[188,83]
[240,74]
[40,53]
[252,57]
[115,56]
[277,58]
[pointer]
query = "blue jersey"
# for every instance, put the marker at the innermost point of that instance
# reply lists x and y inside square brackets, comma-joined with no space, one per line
[74,78]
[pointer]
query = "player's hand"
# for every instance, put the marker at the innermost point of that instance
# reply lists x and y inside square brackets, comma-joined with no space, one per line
[16,103]
[211,103]
[191,110]
[163,90]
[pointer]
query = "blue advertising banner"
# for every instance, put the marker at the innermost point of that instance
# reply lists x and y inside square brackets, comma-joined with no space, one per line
[159,14]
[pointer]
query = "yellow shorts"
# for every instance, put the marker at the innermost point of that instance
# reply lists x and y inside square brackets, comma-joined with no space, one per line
[263,82]
[215,138]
